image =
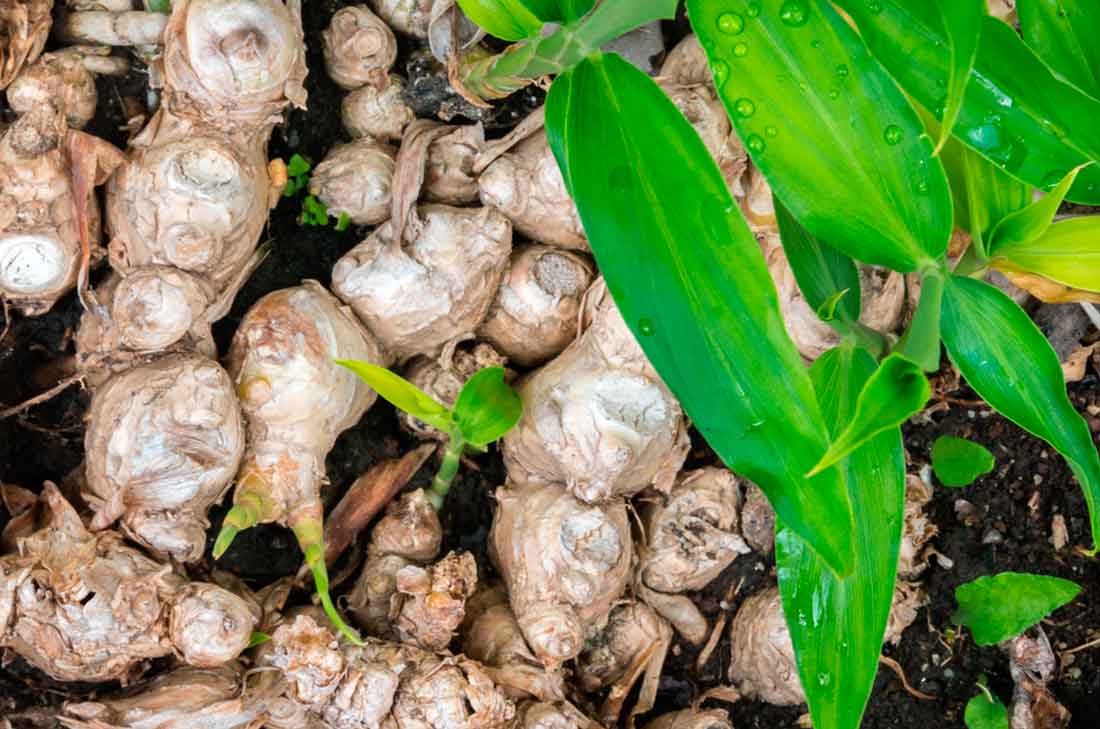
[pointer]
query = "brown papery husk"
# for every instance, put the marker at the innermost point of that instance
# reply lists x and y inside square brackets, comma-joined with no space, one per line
[431,600]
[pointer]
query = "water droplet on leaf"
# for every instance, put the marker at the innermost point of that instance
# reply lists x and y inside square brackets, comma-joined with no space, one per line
[875,7]
[842,70]
[770,131]
[721,73]
[741,50]
[730,23]
[823,679]
[834,94]
[893,134]
[794,13]
[755,144]
[744,107]
[753,9]
[645,326]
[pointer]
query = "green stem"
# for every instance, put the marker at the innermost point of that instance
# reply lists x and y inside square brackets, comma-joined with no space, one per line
[441,484]
[921,343]
[495,77]
[311,539]
[245,514]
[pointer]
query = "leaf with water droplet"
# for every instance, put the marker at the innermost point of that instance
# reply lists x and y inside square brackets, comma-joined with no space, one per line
[893,134]
[730,23]
[744,107]
[1063,33]
[755,144]
[794,13]
[1020,228]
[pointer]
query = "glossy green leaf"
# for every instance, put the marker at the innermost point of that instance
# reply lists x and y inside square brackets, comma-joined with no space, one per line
[487,407]
[838,142]
[921,341]
[507,19]
[1063,33]
[824,274]
[992,195]
[837,625]
[958,461]
[565,10]
[401,393]
[609,20]
[691,283]
[985,712]
[962,23]
[1068,252]
[1010,364]
[1024,226]
[999,607]
[895,392]
[1015,111]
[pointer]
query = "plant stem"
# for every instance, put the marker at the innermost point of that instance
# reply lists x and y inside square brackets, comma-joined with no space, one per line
[441,484]
[921,343]
[310,535]
[497,76]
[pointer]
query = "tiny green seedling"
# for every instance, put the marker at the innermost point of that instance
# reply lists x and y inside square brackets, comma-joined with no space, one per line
[984,711]
[486,408]
[257,638]
[314,213]
[1003,606]
[958,462]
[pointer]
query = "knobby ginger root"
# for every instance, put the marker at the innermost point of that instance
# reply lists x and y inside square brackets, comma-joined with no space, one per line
[359,48]
[410,17]
[443,378]
[49,218]
[24,28]
[84,606]
[377,112]
[492,636]
[296,401]
[183,698]
[692,537]
[536,310]
[164,441]
[450,177]
[356,179]
[112,28]
[325,683]
[564,564]
[550,715]
[60,79]
[692,719]
[762,664]
[432,600]
[597,419]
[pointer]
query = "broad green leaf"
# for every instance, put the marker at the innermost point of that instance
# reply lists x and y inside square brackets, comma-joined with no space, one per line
[1024,226]
[1015,111]
[838,142]
[985,712]
[823,273]
[1063,33]
[1002,606]
[992,194]
[896,391]
[510,20]
[575,9]
[962,23]
[487,407]
[691,283]
[609,20]
[837,625]
[958,461]
[1010,364]
[401,393]
[921,341]
[1068,252]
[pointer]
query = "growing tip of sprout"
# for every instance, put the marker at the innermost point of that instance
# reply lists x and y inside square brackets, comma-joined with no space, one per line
[225,537]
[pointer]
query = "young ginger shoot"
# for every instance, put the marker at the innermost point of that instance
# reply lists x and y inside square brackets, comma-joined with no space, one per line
[486,408]
[314,213]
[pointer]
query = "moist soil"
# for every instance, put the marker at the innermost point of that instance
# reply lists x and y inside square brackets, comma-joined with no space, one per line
[1001,522]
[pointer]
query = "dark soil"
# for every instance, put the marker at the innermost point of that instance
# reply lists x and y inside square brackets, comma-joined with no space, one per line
[1009,527]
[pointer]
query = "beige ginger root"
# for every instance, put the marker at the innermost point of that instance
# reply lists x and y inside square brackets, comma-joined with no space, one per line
[564,563]
[432,600]
[377,112]
[359,48]
[84,606]
[410,17]
[597,419]
[60,79]
[762,663]
[24,28]
[356,179]
[692,719]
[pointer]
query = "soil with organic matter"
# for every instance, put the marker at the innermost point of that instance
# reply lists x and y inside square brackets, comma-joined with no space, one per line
[1002,522]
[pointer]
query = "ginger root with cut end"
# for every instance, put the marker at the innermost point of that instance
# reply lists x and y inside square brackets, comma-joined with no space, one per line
[356,179]
[377,112]
[410,17]
[325,683]
[60,79]
[183,698]
[47,176]
[526,185]
[163,442]
[597,419]
[236,64]
[762,664]
[84,606]
[564,564]
[434,287]
[443,378]
[492,636]
[359,48]
[432,600]
[536,310]
[882,295]
[692,719]
[692,537]
[24,28]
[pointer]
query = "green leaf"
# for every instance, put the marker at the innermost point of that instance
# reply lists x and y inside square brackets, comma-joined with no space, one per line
[692,285]
[1016,112]
[342,222]
[1024,226]
[609,20]
[962,23]
[896,391]
[1068,252]
[992,194]
[838,142]
[1063,33]
[824,274]
[257,638]
[510,20]
[921,342]
[575,9]
[402,394]
[1002,606]
[985,712]
[958,462]
[297,166]
[837,625]
[487,407]
[1010,364]
[559,11]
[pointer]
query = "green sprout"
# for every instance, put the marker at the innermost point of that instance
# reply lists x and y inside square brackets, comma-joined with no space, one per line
[486,408]
[984,711]
[314,213]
